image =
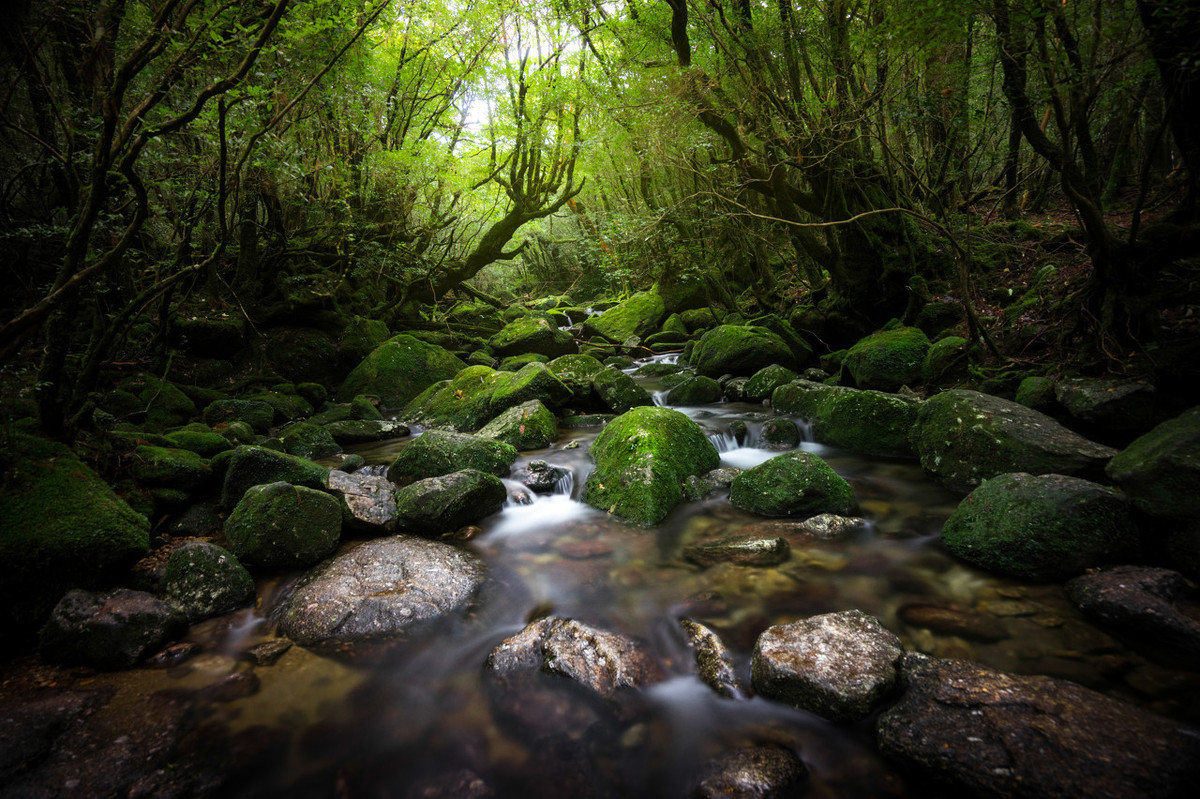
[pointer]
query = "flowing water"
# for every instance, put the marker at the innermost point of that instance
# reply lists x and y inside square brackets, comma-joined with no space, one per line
[418,716]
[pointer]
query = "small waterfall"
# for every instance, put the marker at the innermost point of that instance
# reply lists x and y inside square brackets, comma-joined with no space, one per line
[724,442]
[660,397]
[565,484]
[518,494]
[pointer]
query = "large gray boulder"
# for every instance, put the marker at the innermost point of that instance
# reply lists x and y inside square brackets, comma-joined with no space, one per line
[368,501]
[110,630]
[964,437]
[838,665]
[1041,527]
[988,733]
[381,589]
[447,502]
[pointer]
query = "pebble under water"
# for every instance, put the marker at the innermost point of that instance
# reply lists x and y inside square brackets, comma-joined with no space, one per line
[416,718]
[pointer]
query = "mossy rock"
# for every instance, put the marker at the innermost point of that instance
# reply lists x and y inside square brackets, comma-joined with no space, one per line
[305,354]
[463,403]
[1122,405]
[207,336]
[762,384]
[948,361]
[637,316]
[658,369]
[642,459]
[532,334]
[307,440]
[889,359]
[795,484]
[806,399]
[674,324]
[363,431]
[533,381]
[259,415]
[205,580]
[618,391]
[1160,470]
[514,362]
[398,370]
[867,421]
[732,349]
[1036,392]
[439,452]
[447,502]
[675,378]
[527,426]
[287,407]
[963,437]
[361,337]
[250,466]
[110,630]
[280,525]
[779,433]
[204,443]
[480,358]
[696,390]
[618,361]
[161,402]
[62,527]
[800,348]
[698,319]
[936,317]
[577,372]
[169,467]
[1041,527]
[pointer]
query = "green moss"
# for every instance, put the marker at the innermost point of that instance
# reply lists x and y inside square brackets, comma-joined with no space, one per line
[445,503]
[1041,527]
[532,334]
[168,467]
[206,580]
[698,319]
[947,361]
[637,316]
[731,349]
[867,421]
[284,526]
[259,415]
[1160,470]
[806,398]
[534,381]
[464,403]
[161,402]
[577,373]
[695,390]
[514,362]
[1036,392]
[674,324]
[642,459]
[398,370]
[204,443]
[527,426]
[250,466]
[286,407]
[619,391]
[798,484]
[764,382]
[439,452]
[307,440]
[887,360]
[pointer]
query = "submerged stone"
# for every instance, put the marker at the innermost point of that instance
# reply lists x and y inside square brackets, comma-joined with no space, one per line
[713,662]
[755,772]
[739,551]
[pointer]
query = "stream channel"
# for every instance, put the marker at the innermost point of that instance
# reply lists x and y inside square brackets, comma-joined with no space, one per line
[416,719]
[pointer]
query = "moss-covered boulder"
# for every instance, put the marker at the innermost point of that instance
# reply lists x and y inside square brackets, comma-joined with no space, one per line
[159,403]
[205,580]
[534,333]
[204,443]
[618,391]
[250,466]
[733,349]
[1160,471]
[362,431]
[806,398]
[445,503]
[637,316]
[1036,392]
[674,324]
[800,348]
[889,359]
[62,527]
[110,630]
[463,403]
[280,525]
[1123,405]
[867,421]
[259,415]
[963,437]
[762,384]
[514,362]
[168,467]
[792,484]
[439,452]
[948,360]
[398,370]
[286,405]
[305,354]
[577,373]
[533,381]
[642,459]
[1041,527]
[306,440]
[694,390]
[779,433]
[698,319]
[529,425]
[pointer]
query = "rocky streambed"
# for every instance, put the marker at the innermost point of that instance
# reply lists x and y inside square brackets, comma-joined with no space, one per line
[699,600]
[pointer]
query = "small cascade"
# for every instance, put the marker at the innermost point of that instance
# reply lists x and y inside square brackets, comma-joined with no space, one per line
[565,485]
[518,494]
[660,397]
[724,442]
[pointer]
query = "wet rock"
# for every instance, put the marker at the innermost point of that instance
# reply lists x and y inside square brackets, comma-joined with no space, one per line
[280,525]
[602,662]
[439,452]
[238,685]
[964,437]
[642,458]
[1145,606]
[174,655]
[695,390]
[740,350]
[109,630]
[951,621]
[267,653]
[734,388]
[585,420]
[205,580]
[1125,405]
[948,360]
[806,398]
[541,477]
[762,384]
[306,440]
[739,551]
[1160,471]
[444,503]
[463,784]
[363,431]
[259,415]
[996,734]
[829,526]
[251,466]
[780,434]
[398,370]
[839,665]
[759,772]
[204,443]
[1036,392]
[368,501]
[577,373]
[62,527]
[618,391]
[169,467]
[380,589]
[721,478]
[889,359]
[713,663]
[527,426]
[792,484]
[513,363]
[535,333]
[1041,527]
